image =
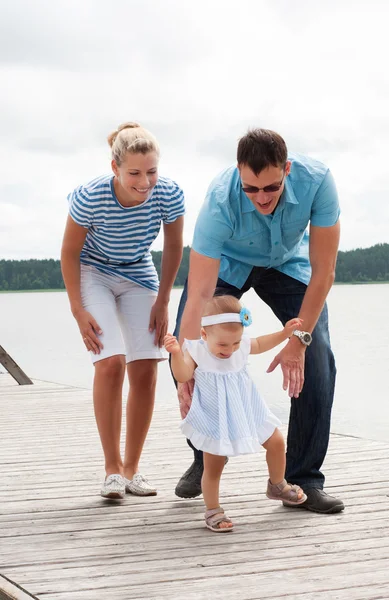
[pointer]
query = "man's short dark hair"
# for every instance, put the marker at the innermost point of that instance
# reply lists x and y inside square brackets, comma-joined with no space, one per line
[262,148]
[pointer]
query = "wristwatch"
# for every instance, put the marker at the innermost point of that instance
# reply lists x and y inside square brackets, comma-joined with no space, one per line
[304,337]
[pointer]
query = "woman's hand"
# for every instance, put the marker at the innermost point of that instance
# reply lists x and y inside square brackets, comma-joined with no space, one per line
[89,330]
[292,325]
[171,344]
[158,321]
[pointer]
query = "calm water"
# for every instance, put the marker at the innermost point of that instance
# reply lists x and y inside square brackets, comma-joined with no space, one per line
[39,332]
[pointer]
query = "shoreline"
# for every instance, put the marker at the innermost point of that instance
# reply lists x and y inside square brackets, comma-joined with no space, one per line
[180,287]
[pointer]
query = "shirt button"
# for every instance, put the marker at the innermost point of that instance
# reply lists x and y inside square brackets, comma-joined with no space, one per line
[276,243]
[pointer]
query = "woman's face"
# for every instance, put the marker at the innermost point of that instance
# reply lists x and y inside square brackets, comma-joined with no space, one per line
[137,175]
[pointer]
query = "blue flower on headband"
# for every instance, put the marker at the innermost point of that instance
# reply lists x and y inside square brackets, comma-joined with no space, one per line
[245,317]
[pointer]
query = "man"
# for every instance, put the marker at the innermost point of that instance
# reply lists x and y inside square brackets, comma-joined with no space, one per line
[251,233]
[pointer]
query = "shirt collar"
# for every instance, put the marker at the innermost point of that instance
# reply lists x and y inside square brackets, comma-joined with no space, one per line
[247,205]
[288,193]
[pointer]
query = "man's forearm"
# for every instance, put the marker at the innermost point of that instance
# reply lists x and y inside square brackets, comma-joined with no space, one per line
[314,299]
[202,279]
[191,320]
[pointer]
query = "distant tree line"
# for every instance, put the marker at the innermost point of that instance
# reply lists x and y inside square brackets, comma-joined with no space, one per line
[354,266]
[363,264]
[30,274]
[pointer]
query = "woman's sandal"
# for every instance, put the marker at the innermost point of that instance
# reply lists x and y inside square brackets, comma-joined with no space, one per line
[214,517]
[279,491]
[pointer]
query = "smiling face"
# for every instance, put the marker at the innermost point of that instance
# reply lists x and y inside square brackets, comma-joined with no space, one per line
[265,189]
[223,340]
[135,177]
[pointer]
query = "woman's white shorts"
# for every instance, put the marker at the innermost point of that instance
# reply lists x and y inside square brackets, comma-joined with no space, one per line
[122,310]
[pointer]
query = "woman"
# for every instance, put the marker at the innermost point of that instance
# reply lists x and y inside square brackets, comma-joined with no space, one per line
[114,293]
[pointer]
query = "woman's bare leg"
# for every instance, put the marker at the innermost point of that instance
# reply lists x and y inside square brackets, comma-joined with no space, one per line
[142,375]
[107,400]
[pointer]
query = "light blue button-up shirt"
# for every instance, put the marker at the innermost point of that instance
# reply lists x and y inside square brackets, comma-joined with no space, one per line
[229,227]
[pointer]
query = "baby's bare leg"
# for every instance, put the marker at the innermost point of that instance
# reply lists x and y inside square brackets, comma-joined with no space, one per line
[210,483]
[275,456]
[276,459]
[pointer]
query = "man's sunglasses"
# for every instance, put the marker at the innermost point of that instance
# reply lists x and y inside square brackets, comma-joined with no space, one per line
[274,187]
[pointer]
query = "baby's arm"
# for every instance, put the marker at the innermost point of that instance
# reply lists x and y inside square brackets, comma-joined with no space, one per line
[182,364]
[264,343]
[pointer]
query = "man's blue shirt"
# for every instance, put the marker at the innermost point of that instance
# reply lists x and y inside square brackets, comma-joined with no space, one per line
[229,227]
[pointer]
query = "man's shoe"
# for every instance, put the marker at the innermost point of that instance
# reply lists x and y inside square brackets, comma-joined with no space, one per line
[189,485]
[320,502]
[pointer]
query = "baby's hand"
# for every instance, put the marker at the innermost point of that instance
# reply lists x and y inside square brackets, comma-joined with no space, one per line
[171,344]
[291,325]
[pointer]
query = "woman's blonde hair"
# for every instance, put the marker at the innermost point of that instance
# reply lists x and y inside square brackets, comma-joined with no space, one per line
[131,137]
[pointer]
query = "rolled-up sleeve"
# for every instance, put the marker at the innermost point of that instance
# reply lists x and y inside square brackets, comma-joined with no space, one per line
[214,225]
[325,206]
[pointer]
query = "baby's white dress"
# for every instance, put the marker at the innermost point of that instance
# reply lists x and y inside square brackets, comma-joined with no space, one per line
[228,416]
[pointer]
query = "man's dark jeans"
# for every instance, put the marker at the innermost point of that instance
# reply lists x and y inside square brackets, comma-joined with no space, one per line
[310,413]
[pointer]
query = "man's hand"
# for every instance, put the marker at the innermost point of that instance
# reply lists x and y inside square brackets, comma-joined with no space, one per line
[185,392]
[292,360]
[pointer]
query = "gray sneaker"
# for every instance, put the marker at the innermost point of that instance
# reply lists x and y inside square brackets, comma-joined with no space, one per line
[189,485]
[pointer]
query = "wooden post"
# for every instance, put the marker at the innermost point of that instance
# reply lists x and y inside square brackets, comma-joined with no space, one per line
[12,591]
[13,369]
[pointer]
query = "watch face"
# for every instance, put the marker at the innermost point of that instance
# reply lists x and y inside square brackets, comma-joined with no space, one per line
[307,338]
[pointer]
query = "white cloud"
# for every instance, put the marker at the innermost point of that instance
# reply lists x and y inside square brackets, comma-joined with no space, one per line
[196,74]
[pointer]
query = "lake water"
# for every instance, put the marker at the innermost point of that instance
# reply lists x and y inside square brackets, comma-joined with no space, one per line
[39,332]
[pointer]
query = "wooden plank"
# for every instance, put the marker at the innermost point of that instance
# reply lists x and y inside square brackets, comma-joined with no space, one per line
[261,574]
[362,592]
[13,368]
[163,564]
[206,548]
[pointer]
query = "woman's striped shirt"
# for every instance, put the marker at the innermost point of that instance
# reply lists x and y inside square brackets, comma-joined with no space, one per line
[119,238]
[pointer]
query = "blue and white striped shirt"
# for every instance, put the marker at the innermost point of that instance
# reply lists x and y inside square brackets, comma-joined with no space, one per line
[119,237]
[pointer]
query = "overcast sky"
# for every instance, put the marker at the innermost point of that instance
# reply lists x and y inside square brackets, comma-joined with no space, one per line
[197,74]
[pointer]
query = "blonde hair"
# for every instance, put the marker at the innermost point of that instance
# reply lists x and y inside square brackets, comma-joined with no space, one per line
[131,137]
[223,304]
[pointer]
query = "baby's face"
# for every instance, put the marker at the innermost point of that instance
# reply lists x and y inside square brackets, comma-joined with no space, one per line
[223,340]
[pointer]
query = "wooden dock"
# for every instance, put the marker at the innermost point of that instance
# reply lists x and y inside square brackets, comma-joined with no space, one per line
[60,541]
